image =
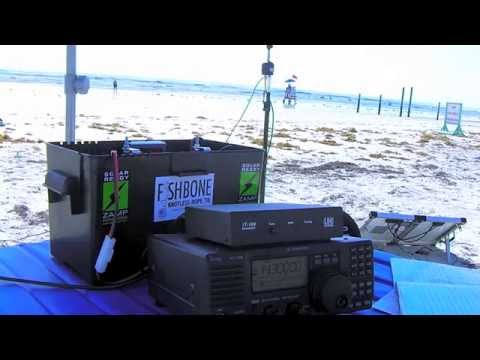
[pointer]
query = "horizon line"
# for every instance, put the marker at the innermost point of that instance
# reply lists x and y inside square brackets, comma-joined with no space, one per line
[233,84]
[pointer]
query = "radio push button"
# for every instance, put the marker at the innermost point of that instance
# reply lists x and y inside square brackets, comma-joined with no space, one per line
[272,228]
[335,259]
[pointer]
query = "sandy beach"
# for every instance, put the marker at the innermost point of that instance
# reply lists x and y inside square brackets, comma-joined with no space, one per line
[321,152]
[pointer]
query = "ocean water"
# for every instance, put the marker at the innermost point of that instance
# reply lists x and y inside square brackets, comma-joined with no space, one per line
[343,102]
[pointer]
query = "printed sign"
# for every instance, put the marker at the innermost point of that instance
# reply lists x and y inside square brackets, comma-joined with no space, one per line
[249,182]
[174,193]
[108,197]
[453,113]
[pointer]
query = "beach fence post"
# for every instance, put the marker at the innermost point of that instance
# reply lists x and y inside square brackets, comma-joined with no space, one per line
[379,104]
[358,103]
[438,111]
[401,102]
[73,85]
[410,102]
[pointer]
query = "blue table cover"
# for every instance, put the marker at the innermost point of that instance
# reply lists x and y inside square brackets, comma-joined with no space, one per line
[33,261]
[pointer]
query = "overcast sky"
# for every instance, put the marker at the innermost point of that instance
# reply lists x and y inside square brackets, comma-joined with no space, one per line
[437,73]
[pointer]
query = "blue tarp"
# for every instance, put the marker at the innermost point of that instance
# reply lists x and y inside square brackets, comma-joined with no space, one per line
[427,288]
[33,261]
[438,299]
[389,303]
[408,270]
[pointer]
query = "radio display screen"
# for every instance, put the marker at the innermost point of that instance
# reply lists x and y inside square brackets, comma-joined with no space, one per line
[281,273]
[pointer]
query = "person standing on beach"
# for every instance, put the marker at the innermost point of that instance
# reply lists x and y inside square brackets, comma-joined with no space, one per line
[115,85]
[288,93]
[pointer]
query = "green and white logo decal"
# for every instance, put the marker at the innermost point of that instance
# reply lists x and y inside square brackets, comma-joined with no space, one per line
[249,182]
[108,197]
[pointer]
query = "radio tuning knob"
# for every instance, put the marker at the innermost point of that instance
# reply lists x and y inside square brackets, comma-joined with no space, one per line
[329,291]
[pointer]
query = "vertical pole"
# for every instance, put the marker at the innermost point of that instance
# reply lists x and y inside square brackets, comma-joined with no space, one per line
[358,103]
[401,102]
[379,104]
[266,126]
[410,102]
[438,111]
[447,249]
[70,93]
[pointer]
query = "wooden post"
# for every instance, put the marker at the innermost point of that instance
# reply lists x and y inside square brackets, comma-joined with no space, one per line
[401,103]
[410,102]
[438,111]
[379,104]
[358,103]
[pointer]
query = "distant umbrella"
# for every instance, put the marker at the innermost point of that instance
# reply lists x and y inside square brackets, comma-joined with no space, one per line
[289,81]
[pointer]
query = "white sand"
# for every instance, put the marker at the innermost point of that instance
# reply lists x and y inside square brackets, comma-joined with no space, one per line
[432,178]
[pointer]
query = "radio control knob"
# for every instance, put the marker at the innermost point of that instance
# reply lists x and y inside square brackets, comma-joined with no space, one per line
[329,292]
